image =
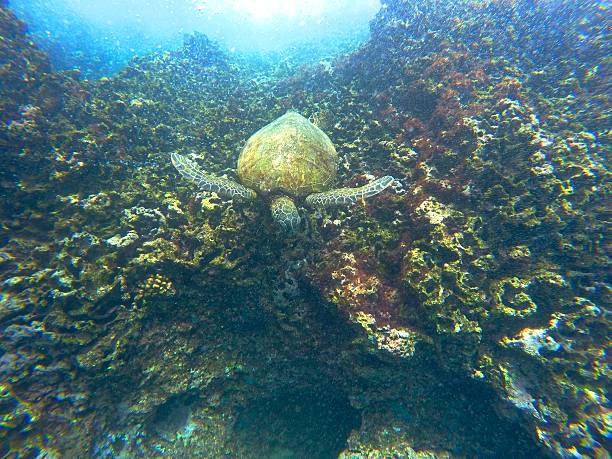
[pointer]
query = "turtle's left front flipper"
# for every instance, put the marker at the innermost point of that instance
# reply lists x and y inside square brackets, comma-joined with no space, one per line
[220,185]
[345,196]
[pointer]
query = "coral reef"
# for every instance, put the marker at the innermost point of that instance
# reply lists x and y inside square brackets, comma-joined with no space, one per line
[464,315]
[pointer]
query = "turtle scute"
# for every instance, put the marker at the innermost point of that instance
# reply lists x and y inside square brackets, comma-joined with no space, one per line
[290,156]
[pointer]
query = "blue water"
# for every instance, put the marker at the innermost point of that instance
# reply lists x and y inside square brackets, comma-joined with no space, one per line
[99,37]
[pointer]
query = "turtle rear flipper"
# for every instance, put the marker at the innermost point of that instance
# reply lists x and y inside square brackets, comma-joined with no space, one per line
[345,196]
[220,185]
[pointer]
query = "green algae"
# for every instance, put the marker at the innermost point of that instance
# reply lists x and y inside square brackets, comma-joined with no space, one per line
[128,302]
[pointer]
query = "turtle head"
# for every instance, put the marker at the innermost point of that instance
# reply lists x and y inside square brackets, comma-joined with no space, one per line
[285,213]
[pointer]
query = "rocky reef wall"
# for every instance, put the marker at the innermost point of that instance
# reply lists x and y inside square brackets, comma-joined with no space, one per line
[463,314]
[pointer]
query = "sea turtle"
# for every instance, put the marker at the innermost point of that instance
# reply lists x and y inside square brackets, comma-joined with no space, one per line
[286,160]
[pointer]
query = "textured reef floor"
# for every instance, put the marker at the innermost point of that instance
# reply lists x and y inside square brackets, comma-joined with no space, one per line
[461,316]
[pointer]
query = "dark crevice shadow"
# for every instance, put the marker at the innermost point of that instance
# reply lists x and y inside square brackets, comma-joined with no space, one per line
[313,423]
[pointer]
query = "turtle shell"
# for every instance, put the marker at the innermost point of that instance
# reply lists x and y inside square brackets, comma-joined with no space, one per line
[290,155]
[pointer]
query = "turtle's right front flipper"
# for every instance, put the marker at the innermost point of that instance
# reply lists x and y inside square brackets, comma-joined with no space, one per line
[343,196]
[220,185]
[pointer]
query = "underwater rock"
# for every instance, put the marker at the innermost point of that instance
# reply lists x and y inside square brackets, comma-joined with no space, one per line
[463,316]
[123,241]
